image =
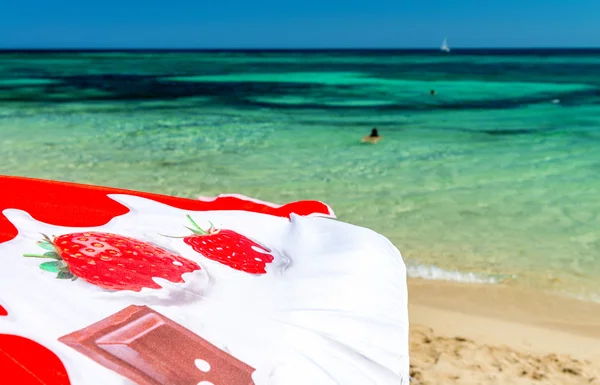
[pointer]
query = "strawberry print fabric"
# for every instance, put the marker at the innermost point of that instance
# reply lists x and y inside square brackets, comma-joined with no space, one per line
[118,287]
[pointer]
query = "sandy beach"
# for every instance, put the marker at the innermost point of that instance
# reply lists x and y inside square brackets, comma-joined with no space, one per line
[494,334]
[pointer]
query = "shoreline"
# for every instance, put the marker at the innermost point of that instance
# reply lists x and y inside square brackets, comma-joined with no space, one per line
[495,334]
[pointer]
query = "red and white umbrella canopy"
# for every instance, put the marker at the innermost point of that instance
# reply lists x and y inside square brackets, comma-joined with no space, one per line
[108,286]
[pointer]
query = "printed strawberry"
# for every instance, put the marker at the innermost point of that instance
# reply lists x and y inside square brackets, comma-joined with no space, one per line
[229,248]
[112,261]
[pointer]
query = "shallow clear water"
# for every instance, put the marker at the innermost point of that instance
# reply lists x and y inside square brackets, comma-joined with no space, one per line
[496,174]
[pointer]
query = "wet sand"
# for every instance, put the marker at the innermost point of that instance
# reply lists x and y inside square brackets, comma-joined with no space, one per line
[494,334]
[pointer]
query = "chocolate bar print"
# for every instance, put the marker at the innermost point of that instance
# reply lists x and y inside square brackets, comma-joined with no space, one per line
[151,349]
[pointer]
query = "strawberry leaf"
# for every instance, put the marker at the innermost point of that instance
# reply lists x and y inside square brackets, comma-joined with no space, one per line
[52,267]
[49,254]
[52,254]
[45,245]
[198,230]
[65,275]
[211,228]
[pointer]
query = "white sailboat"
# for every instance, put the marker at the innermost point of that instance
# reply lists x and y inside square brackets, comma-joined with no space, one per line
[444,46]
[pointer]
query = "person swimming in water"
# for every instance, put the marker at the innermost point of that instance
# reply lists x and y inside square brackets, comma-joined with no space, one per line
[432,92]
[373,138]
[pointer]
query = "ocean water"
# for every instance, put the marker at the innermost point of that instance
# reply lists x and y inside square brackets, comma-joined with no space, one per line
[495,178]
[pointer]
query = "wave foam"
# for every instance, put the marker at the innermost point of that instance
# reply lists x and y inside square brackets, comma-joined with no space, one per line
[432,272]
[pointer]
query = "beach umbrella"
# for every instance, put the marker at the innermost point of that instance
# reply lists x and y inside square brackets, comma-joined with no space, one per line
[108,286]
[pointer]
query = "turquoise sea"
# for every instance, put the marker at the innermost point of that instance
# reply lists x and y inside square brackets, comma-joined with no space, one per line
[495,178]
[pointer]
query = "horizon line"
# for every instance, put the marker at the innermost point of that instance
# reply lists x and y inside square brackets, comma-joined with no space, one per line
[115,49]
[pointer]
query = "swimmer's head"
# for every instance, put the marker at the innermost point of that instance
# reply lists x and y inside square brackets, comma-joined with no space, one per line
[374,132]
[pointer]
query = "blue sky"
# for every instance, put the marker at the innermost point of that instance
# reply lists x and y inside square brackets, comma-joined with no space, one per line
[298,24]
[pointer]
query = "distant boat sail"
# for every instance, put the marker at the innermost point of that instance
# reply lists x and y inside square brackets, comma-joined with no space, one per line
[444,46]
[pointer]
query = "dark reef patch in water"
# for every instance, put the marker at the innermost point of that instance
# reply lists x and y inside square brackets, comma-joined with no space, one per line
[522,131]
[247,94]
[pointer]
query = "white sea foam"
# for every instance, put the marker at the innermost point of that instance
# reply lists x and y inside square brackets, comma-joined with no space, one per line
[432,272]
